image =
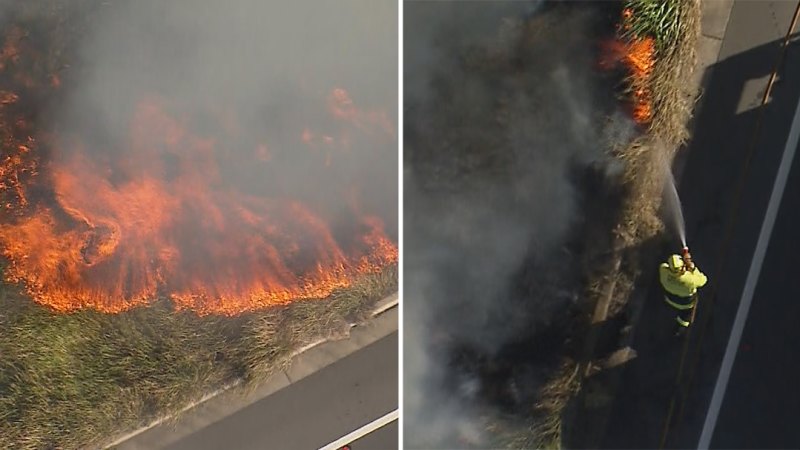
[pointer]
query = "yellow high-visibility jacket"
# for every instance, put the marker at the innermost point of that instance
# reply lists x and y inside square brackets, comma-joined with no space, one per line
[683,284]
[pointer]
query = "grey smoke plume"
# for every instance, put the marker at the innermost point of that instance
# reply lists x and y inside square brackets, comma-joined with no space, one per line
[268,67]
[503,113]
[259,138]
[271,65]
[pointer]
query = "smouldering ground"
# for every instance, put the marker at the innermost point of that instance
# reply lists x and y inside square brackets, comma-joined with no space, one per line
[525,386]
[506,160]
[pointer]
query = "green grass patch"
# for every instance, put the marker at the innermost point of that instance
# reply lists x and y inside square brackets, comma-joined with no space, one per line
[660,19]
[674,25]
[74,380]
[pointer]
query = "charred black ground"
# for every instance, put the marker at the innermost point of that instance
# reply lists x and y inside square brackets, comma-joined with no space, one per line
[508,184]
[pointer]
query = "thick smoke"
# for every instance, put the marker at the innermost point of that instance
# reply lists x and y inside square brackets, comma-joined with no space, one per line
[504,115]
[239,153]
[267,67]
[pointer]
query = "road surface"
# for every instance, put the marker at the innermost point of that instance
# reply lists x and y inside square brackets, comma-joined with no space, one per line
[316,410]
[761,404]
[382,439]
[735,157]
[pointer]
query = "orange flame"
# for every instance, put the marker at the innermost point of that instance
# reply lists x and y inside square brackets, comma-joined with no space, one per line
[638,56]
[640,61]
[116,233]
[341,106]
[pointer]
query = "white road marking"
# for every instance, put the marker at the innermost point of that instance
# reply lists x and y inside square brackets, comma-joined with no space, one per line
[750,284]
[363,431]
[380,310]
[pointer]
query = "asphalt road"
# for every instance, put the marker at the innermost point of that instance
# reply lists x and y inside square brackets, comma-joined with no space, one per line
[315,411]
[730,171]
[761,404]
[382,439]
[745,244]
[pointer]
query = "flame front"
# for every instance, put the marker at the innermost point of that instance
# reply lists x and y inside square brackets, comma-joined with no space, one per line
[112,233]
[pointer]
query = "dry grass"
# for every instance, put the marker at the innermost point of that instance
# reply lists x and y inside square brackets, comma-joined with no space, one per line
[72,380]
[75,380]
[674,24]
[272,336]
[648,158]
[545,429]
[675,28]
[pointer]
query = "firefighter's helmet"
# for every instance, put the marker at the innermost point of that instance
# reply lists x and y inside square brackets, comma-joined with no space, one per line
[675,263]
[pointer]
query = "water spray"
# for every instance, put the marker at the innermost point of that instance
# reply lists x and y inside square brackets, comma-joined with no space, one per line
[674,209]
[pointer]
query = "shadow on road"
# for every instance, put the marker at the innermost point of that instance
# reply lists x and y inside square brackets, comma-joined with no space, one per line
[729,169]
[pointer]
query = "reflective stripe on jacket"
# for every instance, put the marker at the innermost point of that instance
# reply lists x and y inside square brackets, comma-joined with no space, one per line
[682,284]
[680,305]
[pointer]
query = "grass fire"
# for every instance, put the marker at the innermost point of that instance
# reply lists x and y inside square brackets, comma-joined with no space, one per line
[162,208]
[190,192]
[531,148]
[638,56]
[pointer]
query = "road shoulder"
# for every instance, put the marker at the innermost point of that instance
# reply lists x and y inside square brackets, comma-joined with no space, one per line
[227,401]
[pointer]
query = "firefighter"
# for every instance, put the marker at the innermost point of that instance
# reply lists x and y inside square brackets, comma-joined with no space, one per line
[680,279]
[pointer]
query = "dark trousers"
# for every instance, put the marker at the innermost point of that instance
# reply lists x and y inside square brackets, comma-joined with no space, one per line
[684,307]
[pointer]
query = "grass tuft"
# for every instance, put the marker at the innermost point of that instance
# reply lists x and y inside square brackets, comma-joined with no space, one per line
[544,431]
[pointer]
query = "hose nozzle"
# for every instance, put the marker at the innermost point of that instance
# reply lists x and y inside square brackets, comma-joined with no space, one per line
[687,258]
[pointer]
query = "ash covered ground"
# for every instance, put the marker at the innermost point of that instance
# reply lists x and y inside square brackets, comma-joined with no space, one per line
[508,124]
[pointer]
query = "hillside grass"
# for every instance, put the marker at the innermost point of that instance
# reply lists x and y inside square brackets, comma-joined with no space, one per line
[76,380]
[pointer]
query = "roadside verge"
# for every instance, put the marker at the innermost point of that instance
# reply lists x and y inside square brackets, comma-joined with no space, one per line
[236,396]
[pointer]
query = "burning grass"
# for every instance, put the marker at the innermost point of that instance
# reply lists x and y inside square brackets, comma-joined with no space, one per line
[674,27]
[75,380]
[163,218]
[198,202]
[522,111]
[656,41]
[147,260]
